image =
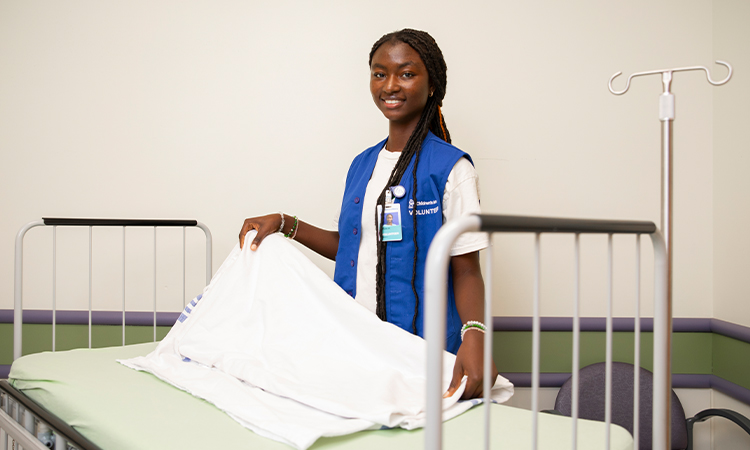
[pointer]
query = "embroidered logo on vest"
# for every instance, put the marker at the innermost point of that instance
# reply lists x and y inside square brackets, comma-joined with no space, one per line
[421,211]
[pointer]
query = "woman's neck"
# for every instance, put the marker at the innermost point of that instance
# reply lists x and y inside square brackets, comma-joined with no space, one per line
[398,136]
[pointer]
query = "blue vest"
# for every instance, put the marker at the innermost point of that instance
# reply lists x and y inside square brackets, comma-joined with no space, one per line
[436,161]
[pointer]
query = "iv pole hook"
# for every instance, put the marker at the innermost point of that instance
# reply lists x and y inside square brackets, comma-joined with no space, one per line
[670,71]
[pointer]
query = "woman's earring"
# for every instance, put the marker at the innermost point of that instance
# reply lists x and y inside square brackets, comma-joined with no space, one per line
[431,92]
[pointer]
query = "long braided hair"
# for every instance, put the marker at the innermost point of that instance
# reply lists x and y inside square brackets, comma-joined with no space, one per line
[431,120]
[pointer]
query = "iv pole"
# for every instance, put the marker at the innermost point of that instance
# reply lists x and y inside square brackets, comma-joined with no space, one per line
[662,379]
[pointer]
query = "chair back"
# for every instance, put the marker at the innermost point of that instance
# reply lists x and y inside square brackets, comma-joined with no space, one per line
[591,401]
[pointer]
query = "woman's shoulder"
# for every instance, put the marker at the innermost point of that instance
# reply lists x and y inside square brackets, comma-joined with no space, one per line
[439,148]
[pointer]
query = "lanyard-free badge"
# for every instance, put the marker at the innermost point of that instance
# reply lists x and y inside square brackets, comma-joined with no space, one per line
[392,217]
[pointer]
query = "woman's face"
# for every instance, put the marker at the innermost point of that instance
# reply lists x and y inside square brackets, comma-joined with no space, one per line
[399,82]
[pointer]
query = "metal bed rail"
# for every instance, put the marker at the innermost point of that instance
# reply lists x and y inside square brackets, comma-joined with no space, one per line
[91,223]
[436,283]
[30,427]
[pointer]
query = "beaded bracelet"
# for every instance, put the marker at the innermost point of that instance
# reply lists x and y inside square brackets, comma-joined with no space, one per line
[472,325]
[293,231]
[296,229]
[282,222]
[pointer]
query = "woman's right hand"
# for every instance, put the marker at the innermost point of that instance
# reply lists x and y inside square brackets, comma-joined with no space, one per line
[264,225]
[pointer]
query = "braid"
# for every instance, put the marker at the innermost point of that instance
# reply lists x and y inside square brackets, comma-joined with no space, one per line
[431,120]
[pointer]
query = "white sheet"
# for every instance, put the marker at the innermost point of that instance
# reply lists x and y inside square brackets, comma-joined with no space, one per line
[282,349]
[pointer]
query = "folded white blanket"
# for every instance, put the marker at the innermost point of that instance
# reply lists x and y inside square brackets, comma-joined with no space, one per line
[275,343]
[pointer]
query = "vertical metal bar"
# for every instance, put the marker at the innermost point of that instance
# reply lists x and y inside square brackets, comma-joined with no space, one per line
[637,345]
[207,232]
[536,328]
[608,364]
[436,285]
[60,442]
[154,284]
[28,421]
[18,289]
[184,299]
[90,280]
[662,347]
[54,284]
[666,116]
[123,284]
[488,382]
[576,340]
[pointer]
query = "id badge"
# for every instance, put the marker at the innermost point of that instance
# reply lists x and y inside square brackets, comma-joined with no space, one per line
[392,225]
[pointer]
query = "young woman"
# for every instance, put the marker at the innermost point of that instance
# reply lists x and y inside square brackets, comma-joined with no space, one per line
[420,180]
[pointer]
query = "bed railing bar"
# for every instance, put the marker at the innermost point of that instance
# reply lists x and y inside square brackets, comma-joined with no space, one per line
[61,429]
[515,224]
[28,421]
[662,346]
[608,363]
[54,285]
[124,232]
[637,345]
[20,437]
[576,340]
[209,252]
[87,222]
[536,334]
[18,287]
[184,300]
[154,284]
[55,222]
[436,280]
[487,385]
[91,277]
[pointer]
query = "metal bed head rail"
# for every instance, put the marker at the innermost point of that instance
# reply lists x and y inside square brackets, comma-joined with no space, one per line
[90,223]
[436,283]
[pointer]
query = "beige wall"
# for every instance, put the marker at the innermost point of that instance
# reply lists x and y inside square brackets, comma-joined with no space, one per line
[222,110]
[732,165]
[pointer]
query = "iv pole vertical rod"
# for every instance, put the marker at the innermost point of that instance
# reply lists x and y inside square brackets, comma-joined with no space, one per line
[666,116]
[663,313]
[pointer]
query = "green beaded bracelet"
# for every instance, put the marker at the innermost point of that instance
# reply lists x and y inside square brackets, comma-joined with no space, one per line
[293,229]
[472,325]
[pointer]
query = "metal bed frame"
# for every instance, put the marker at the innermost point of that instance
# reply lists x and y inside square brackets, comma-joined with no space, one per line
[23,423]
[27,425]
[436,282]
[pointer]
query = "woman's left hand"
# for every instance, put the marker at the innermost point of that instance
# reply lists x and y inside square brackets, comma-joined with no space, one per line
[469,362]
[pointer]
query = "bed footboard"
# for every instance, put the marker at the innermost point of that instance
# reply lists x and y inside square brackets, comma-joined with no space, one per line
[23,423]
[436,283]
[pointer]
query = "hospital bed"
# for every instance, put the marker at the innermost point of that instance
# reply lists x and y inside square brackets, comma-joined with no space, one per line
[86,400]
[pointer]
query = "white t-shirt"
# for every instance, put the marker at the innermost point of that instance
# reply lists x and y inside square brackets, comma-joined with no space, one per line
[461,198]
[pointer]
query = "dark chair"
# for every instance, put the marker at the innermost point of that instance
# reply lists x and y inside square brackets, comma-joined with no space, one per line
[591,404]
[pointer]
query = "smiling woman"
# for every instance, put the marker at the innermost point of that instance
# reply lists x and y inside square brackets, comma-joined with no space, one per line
[411,182]
[400,87]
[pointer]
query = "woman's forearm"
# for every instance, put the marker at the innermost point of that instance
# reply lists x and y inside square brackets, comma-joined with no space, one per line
[322,242]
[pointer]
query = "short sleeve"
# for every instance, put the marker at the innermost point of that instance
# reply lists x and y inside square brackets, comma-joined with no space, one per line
[461,198]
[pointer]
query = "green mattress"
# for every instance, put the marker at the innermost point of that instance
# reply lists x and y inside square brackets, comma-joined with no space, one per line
[119,408]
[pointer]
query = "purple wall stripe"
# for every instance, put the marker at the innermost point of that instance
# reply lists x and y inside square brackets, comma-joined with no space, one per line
[520,379]
[735,391]
[679,380]
[600,324]
[691,381]
[4,370]
[731,330]
[679,325]
[143,318]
